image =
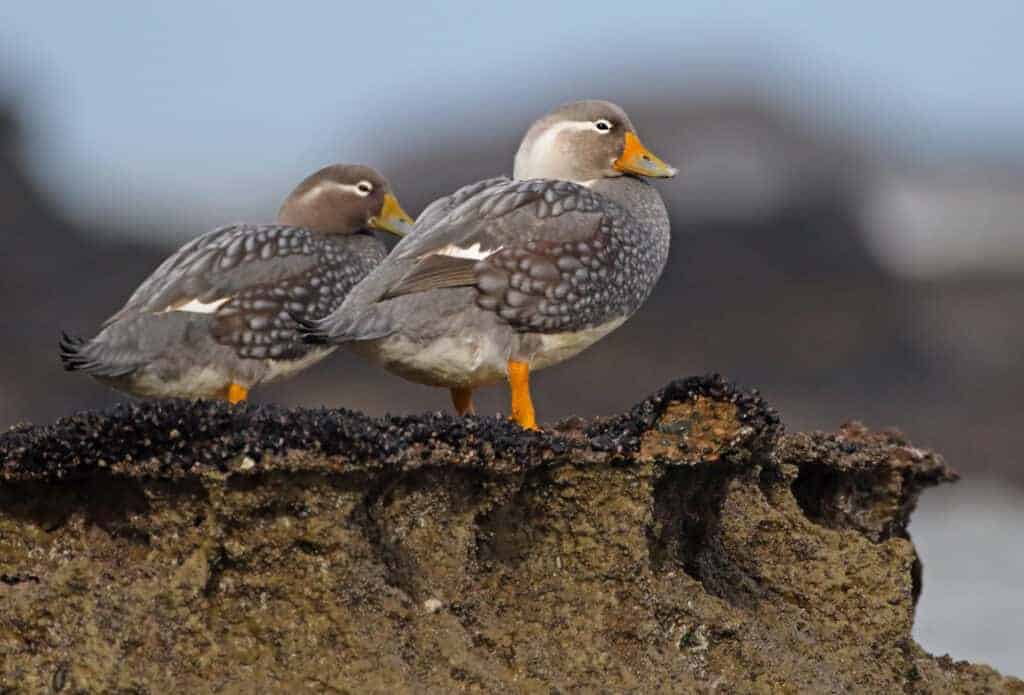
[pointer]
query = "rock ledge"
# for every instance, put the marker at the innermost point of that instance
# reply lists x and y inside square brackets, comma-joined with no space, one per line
[689,545]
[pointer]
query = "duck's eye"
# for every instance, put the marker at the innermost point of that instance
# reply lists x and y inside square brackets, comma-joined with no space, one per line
[603,125]
[364,188]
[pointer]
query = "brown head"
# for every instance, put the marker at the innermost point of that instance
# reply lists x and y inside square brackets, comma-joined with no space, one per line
[342,199]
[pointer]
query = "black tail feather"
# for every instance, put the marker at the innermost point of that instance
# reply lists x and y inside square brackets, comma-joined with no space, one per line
[309,331]
[82,355]
[70,352]
[74,360]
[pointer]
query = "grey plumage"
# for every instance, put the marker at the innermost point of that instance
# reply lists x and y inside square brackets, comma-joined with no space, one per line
[259,319]
[555,269]
[504,277]
[589,262]
[265,275]
[222,310]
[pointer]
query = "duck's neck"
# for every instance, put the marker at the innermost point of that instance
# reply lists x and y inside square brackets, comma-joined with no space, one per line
[637,196]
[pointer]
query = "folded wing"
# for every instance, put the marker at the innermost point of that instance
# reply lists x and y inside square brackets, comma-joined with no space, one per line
[542,255]
[212,269]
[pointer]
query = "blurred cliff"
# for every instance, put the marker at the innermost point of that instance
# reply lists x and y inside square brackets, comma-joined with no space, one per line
[839,278]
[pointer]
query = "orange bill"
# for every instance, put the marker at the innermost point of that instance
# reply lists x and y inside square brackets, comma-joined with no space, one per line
[637,159]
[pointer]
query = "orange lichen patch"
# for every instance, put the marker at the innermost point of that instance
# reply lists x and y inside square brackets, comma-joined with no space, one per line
[691,431]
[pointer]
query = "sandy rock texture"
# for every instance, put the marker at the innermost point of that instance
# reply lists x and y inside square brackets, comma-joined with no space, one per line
[689,545]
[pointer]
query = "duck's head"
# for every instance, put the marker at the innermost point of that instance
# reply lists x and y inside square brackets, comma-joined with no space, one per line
[342,199]
[584,141]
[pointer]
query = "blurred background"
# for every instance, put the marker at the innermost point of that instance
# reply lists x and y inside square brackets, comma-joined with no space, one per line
[848,225]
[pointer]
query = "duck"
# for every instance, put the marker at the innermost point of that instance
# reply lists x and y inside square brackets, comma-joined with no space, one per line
[507,276]
[214,320]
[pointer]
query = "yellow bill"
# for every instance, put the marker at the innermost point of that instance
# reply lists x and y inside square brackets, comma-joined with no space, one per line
[391,218]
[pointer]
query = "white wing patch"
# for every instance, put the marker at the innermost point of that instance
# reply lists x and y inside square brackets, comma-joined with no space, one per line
[474,252]
[194,306]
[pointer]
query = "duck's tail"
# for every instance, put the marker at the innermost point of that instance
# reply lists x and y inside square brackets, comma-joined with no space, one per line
[81,355]
[71,352]
[337,330]
[310,331]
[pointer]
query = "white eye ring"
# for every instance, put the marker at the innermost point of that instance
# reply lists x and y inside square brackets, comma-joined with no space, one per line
[602,125]
[364,188]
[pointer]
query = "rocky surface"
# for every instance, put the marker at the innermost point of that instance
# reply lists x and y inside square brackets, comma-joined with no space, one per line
[687,546]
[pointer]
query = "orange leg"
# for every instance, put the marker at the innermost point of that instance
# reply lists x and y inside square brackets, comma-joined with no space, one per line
[462,399]
[519,384]
[236,394]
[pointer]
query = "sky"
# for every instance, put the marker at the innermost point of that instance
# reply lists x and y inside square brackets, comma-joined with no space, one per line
[135,109]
